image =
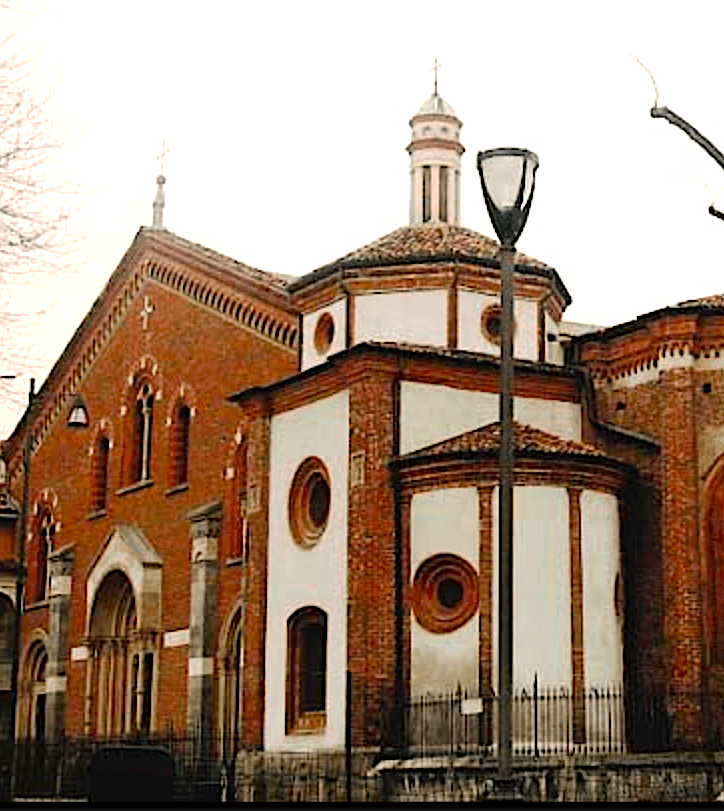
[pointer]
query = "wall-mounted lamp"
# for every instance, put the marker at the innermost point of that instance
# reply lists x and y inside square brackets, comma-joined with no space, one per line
[78,416]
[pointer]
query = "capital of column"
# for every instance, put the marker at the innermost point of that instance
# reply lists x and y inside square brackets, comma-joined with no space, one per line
[60,562]
[205,532]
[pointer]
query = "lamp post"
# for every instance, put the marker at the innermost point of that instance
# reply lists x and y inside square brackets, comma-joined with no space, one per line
[507,176]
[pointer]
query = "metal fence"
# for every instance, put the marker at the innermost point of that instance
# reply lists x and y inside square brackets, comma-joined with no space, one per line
[63,769]
[200,773]
[544,721]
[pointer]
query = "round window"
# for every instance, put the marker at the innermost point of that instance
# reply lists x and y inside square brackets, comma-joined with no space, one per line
[491,323]
[309,502]
[444,593]
[324,333]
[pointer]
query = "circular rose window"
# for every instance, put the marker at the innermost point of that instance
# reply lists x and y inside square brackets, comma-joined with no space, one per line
[491,323]
[324,333]
[444,593]
[309,501]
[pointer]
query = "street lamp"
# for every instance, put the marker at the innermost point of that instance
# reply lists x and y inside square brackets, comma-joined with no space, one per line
[507,176]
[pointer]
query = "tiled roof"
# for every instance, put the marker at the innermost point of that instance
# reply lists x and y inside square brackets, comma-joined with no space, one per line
[714,301]
[425,349]
[435,105]
[276,280]
[462,355]
[486,441]
[427,242]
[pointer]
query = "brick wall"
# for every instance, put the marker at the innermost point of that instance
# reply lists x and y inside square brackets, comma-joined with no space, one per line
[678,401]
[193,355]
[258,433]
[371,634]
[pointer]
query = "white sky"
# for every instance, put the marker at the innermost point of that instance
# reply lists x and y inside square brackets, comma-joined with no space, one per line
[288,121]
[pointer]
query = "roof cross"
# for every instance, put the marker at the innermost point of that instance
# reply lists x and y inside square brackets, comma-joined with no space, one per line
[164,151]
[436,66]
[148,308]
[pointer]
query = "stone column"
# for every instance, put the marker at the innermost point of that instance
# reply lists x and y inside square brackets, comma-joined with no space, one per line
[60,564]
[205,527]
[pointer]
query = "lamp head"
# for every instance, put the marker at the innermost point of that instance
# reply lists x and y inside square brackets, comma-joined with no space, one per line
[507,176]
[78,416]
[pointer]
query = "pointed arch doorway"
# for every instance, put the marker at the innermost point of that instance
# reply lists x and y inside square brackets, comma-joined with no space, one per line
[123,594]
[120,672]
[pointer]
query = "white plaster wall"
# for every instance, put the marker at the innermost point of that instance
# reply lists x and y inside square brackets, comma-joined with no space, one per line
[600,555]
[541,587]
[431,413]
[472,338]
[444,521]
[338,311]
[317,576]
[416,317]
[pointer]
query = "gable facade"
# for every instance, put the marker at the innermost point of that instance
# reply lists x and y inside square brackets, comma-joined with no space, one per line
[175,330]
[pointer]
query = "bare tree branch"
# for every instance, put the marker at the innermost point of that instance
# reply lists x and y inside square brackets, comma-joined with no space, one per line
[36,203]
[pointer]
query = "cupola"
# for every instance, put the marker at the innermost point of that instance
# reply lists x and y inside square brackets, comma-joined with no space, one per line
[435,151]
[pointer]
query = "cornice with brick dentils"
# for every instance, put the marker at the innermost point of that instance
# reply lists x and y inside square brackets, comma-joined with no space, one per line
[239,294]
[676,339]
[599,473]
[420,364]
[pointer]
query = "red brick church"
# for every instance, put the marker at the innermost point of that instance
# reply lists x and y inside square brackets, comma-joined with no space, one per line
[242,486]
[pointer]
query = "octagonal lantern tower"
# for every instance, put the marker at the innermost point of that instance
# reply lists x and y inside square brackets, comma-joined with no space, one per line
[435,151]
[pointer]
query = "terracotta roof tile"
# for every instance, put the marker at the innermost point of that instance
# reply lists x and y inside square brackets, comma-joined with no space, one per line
[424,349]
[276,280]
[486,441]
[715,301]
[427,242]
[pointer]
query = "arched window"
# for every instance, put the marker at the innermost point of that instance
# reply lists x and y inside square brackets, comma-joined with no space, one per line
[43,543]
[715,564]
[231,688]
[179,445]
[7,630]
[99,486]
[33,685]
[307,670]
[142,434]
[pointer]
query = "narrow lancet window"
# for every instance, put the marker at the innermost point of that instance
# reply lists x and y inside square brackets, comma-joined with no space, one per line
[426,193]
[143,425]
[443,193]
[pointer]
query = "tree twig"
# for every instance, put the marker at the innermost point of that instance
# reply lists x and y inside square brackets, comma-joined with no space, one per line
[651,76]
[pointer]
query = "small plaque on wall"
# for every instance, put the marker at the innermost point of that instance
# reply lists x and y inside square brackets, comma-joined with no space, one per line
[357,469]
[252,499]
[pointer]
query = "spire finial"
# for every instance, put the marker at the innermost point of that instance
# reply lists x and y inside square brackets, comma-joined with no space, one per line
[436,66]
[160,199]
[158,203]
